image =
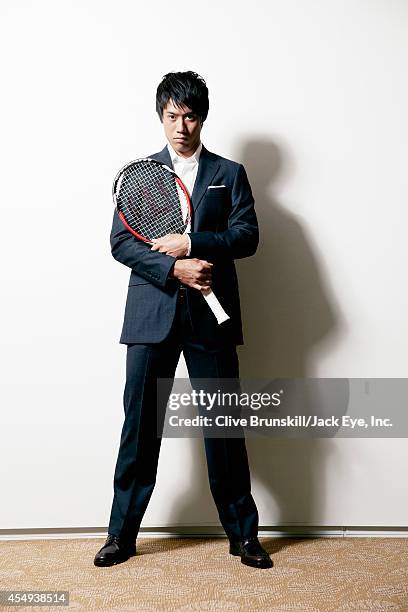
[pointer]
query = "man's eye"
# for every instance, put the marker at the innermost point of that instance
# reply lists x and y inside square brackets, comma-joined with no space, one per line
[192,117]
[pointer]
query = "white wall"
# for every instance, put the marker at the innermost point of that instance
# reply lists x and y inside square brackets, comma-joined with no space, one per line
[312,98]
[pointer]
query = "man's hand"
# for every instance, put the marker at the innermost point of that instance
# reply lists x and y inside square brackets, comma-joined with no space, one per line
[194,272]
[175,245]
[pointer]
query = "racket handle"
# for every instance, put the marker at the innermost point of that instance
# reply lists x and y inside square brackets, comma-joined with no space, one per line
[215,306]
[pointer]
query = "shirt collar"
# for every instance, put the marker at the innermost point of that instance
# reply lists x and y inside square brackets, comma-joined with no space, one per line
[185,160]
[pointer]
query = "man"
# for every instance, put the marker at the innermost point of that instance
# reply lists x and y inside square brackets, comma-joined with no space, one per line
[166,314]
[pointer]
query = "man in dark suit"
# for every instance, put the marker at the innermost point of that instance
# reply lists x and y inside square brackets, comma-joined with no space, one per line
[165,314]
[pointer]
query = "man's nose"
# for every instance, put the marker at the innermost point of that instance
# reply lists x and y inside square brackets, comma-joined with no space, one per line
[181,126]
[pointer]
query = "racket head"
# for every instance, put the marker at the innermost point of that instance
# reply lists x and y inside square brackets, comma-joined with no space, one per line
[151,199]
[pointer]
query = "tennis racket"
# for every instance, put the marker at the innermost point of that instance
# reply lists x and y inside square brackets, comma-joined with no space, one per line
[152,201]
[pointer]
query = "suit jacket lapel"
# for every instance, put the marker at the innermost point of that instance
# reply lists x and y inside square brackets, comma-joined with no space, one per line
[164,157]
[207,168]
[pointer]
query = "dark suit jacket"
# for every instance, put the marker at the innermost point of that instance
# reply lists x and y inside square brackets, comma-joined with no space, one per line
[224,228]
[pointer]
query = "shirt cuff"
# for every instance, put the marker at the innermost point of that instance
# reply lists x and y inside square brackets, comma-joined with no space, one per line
[189,245]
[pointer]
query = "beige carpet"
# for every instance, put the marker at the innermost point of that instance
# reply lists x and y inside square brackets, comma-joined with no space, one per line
[310,575]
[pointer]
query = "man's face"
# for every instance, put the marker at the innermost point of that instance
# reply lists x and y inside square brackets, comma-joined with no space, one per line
[182,128]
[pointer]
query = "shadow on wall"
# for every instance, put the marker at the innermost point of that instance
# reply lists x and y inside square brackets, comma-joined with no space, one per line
[285,306]
[288,312]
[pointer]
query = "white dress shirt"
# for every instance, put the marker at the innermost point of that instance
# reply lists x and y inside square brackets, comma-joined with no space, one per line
[186,168]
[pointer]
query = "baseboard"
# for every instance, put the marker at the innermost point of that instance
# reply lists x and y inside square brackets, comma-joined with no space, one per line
[194,531]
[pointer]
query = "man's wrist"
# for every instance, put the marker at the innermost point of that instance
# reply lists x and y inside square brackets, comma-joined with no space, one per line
[189,245]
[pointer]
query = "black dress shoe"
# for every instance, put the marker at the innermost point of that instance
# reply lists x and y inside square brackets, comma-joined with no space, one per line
[251,553]
[115,550]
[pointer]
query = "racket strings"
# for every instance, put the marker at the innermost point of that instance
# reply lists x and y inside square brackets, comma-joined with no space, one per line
[151,200]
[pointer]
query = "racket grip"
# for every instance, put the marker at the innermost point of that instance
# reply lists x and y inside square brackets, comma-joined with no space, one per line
[215,306]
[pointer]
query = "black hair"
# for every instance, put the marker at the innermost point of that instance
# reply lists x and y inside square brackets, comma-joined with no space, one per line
[185,89]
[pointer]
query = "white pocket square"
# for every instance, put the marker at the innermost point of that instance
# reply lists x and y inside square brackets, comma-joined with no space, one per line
[215,186]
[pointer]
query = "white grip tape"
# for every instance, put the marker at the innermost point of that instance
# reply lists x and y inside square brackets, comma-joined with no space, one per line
[215,306]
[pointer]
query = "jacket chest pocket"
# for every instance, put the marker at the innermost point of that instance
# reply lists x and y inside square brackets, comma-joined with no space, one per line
[214,209]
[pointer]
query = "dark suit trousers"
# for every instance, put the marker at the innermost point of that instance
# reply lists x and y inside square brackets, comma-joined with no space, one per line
[136,467]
